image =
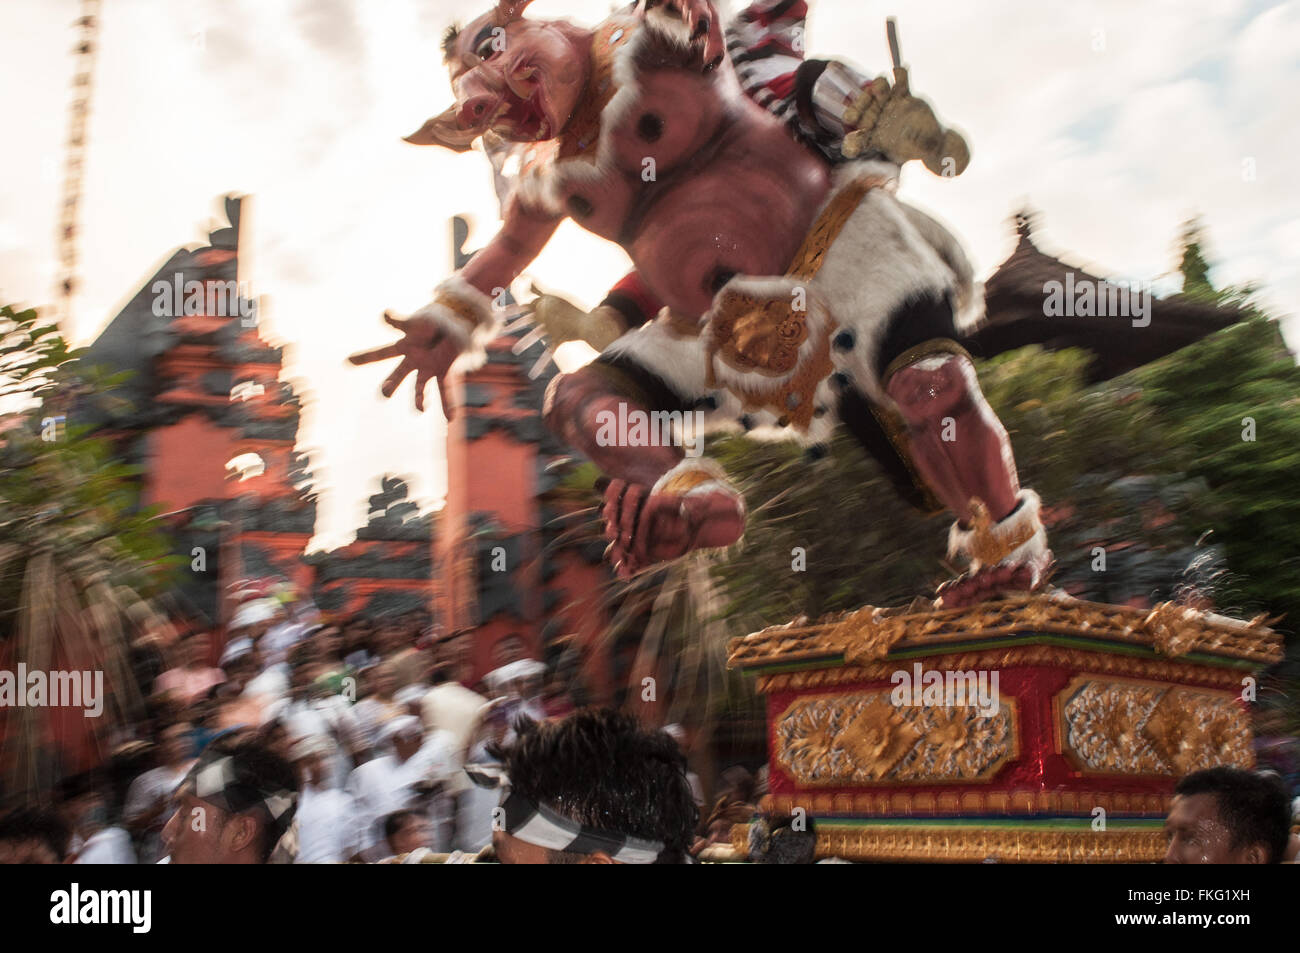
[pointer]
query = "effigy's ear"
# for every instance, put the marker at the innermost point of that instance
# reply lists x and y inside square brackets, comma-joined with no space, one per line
[443,130]
[509,10]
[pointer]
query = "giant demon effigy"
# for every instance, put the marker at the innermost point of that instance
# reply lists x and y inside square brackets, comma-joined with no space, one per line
[775,278]
[778,281]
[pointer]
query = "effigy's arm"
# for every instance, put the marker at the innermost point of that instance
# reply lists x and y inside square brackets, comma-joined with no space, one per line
[462,317]
[474,289]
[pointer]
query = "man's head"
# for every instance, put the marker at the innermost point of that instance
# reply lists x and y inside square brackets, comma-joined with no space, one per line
[405,734]
[310,758]
[82,804]
[521,79]
[783,840]
[380,680]
[194,650]
[590,783]
[303,670]
[328,642]
[239,663]
[1228,816]
[233,806]
[406,831]
[31,836]
[174,743]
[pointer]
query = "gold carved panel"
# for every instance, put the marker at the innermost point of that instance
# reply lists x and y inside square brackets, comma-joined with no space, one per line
[863,738]
[1121,726]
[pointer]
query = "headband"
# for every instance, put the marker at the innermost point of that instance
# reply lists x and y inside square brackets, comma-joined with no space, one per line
[539,825]
[217,779]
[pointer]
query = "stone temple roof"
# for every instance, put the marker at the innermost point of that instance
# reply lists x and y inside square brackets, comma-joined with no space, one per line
[137,337]
[1015,298]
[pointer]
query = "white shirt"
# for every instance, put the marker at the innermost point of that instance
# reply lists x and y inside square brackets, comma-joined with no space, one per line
[329,717]
[383,785]
[112,845]
[474,809]
[279,639]
[273,683]
[327,826]
[452,707]
[369,716]
[143,793]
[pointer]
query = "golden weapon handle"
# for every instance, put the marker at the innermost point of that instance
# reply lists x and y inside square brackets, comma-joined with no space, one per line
[900,72]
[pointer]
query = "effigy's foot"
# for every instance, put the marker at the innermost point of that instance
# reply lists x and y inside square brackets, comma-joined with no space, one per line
[984,584]
[692,506]
[1007,556]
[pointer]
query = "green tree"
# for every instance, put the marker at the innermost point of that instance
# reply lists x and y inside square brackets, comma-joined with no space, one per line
[1230,405]
[1193,266]
[79,559]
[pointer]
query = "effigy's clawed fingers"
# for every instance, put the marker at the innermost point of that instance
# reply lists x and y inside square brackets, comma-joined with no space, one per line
[375,354]
[448,410]
[395,378]
[528,340]
[539,366]
[394,321]
[526,320]
[421,381]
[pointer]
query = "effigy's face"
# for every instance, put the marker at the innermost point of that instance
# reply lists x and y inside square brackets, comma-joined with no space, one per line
[521,80]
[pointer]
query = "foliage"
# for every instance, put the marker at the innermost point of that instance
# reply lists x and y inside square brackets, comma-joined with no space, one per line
[78,557]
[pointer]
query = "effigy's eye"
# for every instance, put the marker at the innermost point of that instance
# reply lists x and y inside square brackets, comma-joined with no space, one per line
[484,44]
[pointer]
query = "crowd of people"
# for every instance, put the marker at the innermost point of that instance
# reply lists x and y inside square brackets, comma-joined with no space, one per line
[309,742]
[364,726]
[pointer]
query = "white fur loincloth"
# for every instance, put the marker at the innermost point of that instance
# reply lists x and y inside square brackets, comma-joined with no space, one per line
[886,254]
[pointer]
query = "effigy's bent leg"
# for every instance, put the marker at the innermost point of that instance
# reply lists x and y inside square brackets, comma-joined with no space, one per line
[960,449]
[902,289]
[621,412]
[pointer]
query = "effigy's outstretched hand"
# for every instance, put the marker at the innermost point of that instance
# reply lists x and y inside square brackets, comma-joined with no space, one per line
[425,348]
[991,582]
[703,23]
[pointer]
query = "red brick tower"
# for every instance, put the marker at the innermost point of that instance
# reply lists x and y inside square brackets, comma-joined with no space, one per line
[203,391]
[502,566]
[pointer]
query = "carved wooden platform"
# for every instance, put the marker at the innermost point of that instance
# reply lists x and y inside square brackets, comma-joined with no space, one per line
[1034,728]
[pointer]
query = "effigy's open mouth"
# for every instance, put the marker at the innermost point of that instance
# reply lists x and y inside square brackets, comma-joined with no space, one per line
[522,113]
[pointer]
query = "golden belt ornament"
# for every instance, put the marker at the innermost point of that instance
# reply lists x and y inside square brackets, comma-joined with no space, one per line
[760,337]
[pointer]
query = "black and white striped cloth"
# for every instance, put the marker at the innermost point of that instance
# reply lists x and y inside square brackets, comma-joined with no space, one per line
[766,42]
[216,778]
[538,825]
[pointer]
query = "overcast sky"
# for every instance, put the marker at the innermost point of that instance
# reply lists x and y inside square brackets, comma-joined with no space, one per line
[1117,119]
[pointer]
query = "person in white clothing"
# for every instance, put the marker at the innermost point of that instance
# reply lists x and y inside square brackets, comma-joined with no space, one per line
[108,845]
[94,840]
[149,798]
[405,778]
[326,816]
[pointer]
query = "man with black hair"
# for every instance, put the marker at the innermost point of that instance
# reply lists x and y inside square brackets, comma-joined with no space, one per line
[149,798]
[85,809]
[407,831]
[31,836]
[594,788]
[233,806]
[783,840]
[1226,815]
